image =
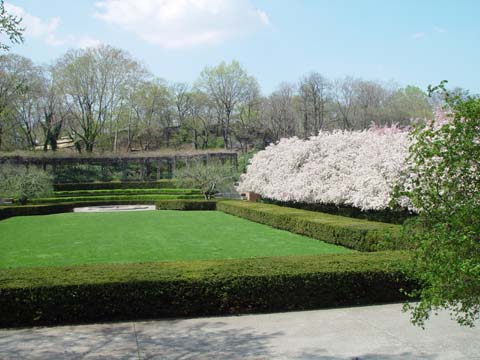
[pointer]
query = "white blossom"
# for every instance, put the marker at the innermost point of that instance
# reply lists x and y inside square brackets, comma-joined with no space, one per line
[356,168]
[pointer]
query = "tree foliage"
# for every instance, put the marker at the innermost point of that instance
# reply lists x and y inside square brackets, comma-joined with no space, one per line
[444,185]
[10,26]
[104,99]
[228,86]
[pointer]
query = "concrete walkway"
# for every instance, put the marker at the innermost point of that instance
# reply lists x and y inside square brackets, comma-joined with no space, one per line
[373,332]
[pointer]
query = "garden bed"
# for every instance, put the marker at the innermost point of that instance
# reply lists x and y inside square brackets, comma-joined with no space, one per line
[107,282]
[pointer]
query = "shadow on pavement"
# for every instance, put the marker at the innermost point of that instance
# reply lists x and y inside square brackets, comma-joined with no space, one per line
[205,340]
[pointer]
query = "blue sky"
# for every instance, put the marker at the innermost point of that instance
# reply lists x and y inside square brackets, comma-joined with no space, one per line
[410,42]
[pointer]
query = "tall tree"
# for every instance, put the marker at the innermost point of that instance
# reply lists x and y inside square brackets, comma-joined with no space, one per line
[345,100]
[54,112]
[228,86]
[314,92]
[182,98]
[151,103]
[280,112]
[407,105]
[247,127]
[27,101]
[201,119]
[17,74]
[94,82]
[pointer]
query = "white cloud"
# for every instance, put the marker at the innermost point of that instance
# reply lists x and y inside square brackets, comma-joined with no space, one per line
[47,30]
[418,35]
[183,23]
[440,30]
[35,27]
[88,42]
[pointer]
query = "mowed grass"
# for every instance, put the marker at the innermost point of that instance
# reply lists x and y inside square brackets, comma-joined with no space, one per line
[150,236]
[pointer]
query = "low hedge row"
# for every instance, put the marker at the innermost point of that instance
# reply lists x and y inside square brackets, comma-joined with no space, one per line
[127,192]
[362,235]
[131,198]
[62,295]
[48,209]
[388,216]
[160,184]
[186,205]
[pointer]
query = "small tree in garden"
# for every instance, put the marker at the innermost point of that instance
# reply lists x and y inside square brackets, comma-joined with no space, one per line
[444,185]
[22,183]
[210,178]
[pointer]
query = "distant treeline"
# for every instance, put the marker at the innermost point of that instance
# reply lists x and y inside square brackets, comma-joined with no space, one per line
[103,99]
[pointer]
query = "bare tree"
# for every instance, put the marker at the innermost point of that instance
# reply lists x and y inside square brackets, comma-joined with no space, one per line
[280,112]
[12,83]
[345,101]
[53,111]
[26,102]
[314,91]
[247,126]
[371,98]
[182,98]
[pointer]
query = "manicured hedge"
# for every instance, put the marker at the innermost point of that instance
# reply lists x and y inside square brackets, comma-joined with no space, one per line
[60,295]
[161,184]
[127,192]
[47,209]
[112,198]
[362,235]
[186,205]
[389,216]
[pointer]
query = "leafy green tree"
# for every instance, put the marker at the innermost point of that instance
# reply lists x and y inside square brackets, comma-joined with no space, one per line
[95,83]
[445,188]
[22,184]
[210,177]
[228,86]
[407,104]
[10,27]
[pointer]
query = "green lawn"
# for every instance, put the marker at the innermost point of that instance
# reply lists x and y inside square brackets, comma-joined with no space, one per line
[90,238]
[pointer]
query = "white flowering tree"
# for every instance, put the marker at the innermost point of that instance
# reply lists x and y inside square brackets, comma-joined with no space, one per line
[354,168]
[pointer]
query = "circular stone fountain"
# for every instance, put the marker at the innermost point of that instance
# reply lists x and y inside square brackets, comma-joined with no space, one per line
[114,208]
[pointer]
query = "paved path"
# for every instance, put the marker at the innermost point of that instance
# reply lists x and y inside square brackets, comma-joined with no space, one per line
[373,332]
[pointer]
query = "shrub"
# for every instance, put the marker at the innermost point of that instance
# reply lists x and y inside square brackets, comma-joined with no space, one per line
[21,183]
[58,295]
[356,234]
[210,178]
